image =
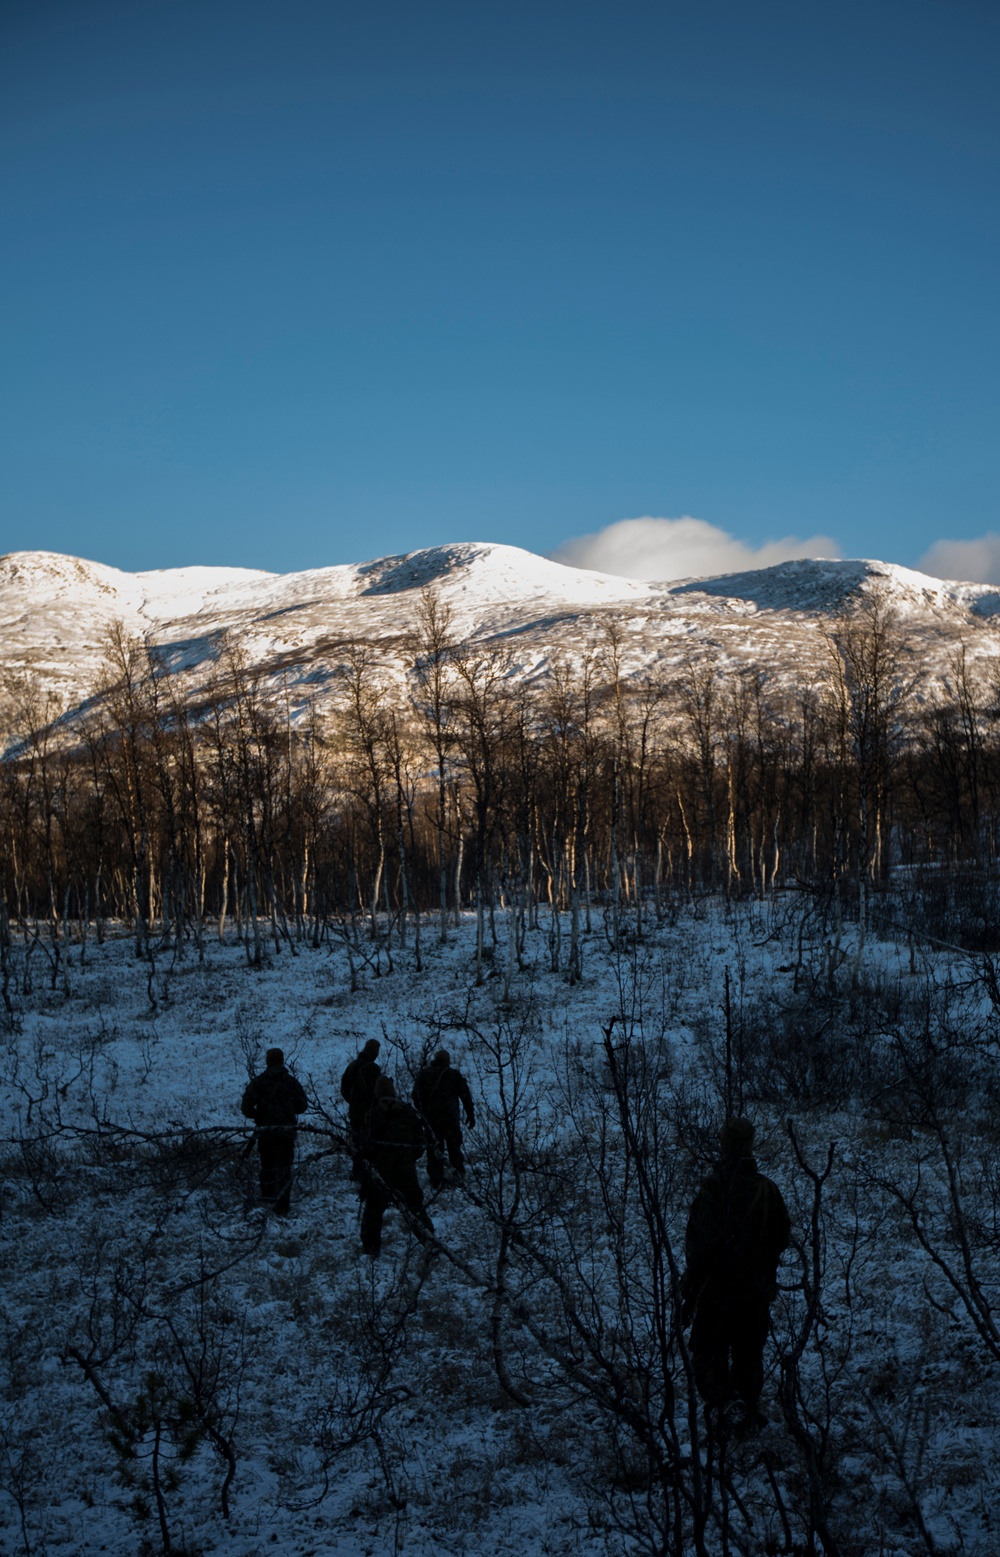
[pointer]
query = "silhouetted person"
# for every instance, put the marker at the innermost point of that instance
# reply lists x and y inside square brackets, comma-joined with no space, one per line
[393,1147]
[736,1232]
[357,1088]
[273,1100]
[439,1092]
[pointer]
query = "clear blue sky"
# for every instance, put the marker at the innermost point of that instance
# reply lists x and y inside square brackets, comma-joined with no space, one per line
[308,281]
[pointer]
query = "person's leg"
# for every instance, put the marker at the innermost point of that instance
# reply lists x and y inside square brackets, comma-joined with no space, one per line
[268,1166]
[710,1352]
[749,1329]
[412,1196]
[284,1158]
[435,1156]
[374,1201]
[453,1141]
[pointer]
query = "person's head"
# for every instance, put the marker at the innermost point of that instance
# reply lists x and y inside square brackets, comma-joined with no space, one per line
[371,1049]
[275,1058]
[442,1057]
[384,1090]
[736,1139]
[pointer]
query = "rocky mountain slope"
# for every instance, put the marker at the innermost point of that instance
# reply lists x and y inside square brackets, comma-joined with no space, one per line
[56,612]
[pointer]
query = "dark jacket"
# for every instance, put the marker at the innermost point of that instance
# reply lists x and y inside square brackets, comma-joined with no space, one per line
[274,1098]
[394,1135]
[357,1088]
[736,1232]
[438,1092]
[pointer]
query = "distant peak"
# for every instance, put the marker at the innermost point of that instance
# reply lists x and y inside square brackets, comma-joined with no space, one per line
[812,584]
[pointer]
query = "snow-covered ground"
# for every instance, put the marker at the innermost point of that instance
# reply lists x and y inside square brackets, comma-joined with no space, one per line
[360,1403]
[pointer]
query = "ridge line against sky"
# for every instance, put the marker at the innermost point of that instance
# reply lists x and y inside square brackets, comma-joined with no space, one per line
[662,551]
[277,280]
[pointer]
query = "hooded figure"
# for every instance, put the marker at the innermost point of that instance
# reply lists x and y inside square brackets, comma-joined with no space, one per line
[438,1093]
[393,1146]
[736,1232]
[273,1100]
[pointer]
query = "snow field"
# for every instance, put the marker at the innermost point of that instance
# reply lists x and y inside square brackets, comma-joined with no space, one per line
[361,1403]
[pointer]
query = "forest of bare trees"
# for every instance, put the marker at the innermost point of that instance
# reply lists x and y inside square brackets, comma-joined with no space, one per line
[588,790]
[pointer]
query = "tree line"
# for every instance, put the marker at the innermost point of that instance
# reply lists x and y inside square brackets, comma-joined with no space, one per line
[587,790]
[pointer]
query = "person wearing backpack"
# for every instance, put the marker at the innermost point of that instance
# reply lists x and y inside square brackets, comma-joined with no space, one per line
[393,1146]
[736,1232]
[439,1092]
[273,1100]
[357,1088]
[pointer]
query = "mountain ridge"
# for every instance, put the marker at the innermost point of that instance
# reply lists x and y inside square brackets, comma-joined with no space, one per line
[56,612]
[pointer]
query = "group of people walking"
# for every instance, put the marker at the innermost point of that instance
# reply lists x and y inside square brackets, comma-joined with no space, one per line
[388,1135]
[737,1229]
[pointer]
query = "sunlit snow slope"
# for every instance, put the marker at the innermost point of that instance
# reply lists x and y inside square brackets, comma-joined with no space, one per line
[56,613]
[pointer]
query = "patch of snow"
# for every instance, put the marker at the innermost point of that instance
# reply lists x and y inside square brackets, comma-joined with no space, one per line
[168,593]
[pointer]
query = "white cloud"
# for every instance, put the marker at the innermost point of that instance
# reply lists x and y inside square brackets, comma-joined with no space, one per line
[974,562]
[681,548]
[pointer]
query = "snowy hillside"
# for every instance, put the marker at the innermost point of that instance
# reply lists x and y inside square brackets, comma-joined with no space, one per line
[368,1408]
[56,611]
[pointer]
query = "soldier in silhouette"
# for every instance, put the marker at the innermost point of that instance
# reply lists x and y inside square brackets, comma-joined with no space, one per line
[393,1146]
[273,1100]
[357,1088]
[439,1092]
[736,1232]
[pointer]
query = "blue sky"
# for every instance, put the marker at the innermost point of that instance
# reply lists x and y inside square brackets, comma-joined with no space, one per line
[289,285]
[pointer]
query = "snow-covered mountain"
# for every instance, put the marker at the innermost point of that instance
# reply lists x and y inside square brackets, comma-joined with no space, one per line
[56,612]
